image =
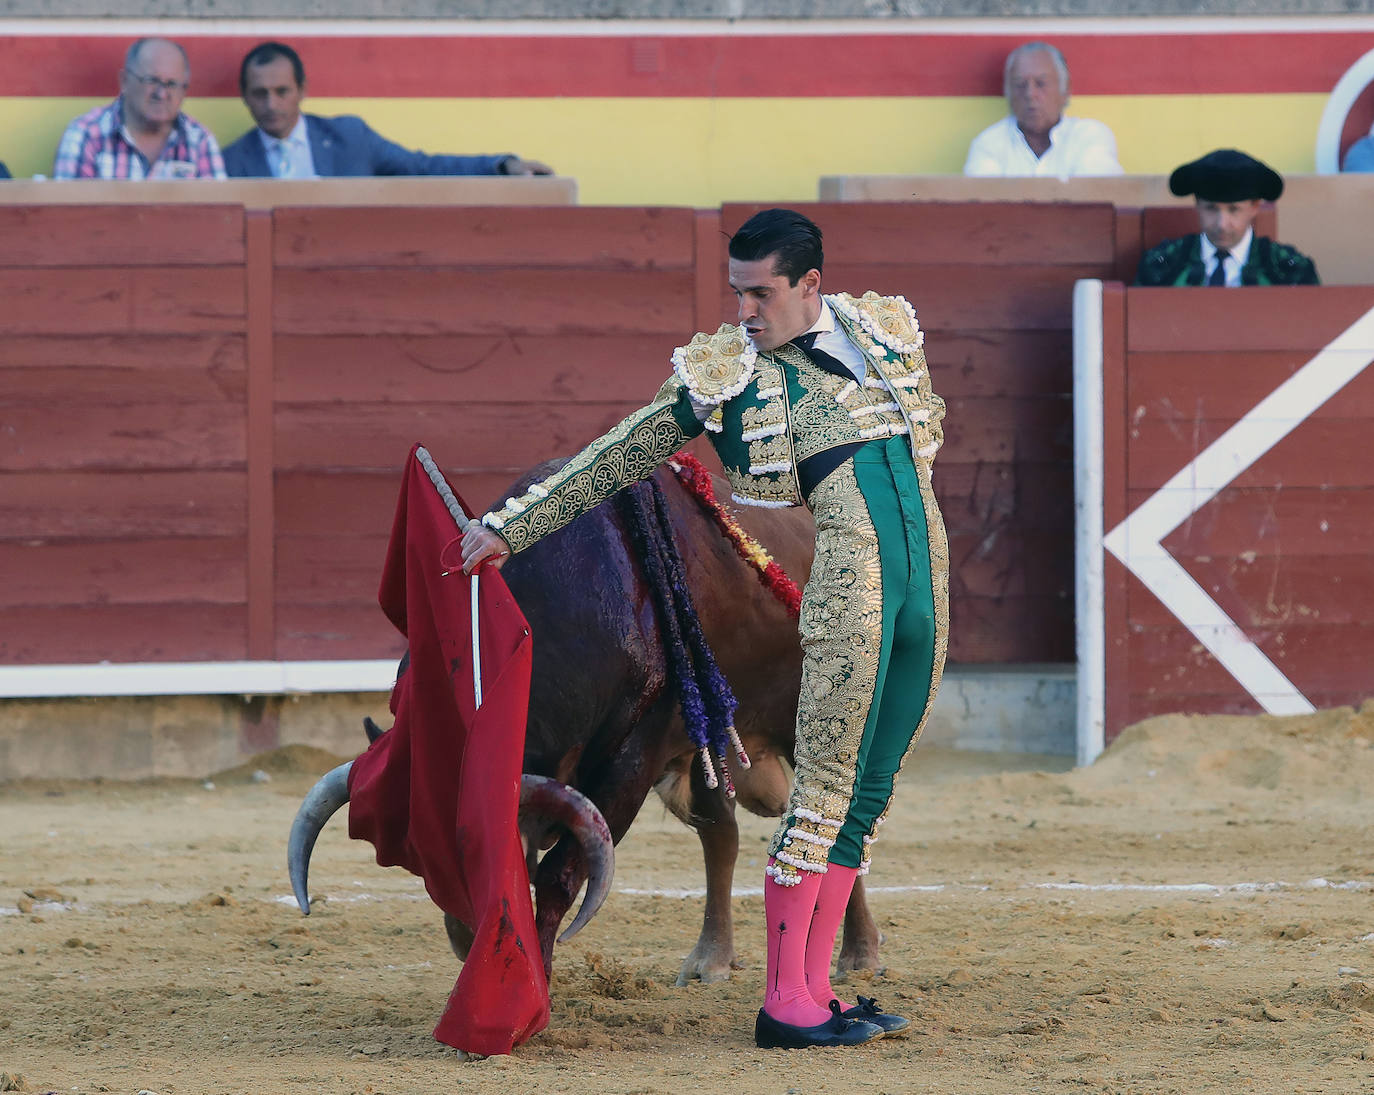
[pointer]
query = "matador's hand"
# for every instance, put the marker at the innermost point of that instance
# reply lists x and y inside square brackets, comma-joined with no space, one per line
[482,545]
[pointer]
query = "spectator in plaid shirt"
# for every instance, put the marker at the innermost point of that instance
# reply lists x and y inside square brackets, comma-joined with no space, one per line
[143,134]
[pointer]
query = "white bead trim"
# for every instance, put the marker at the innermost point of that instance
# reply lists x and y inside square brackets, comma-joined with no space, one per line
[845,392]
[873,408]
[769,393]
[800,864]
[774,429]
[811,838]
[807,814]
[764,469]
[875,332]
[493,521]
[747,359]
[925,452]
[762,503]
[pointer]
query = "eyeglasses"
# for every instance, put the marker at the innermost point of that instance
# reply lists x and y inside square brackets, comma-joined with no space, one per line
[152,82]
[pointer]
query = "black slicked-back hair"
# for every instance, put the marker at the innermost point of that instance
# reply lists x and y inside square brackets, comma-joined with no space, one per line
[265,53]
[793,238]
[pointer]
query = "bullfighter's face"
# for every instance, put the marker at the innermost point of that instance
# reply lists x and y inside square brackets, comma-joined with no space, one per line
[771,309]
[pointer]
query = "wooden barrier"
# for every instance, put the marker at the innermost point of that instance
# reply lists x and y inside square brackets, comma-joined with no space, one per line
[122,452]
[1235,501]
[206,408]
[1323,215]
[270,193]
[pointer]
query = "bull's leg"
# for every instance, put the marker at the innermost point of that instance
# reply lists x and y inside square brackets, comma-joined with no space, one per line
[713,817]
[459,936]
[618,791]
[859,951]
[560,875]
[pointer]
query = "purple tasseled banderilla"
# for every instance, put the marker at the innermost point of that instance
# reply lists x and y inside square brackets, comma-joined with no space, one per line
[702,715]
[715,690]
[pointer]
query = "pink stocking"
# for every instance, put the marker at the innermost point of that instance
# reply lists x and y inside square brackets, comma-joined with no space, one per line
[831,902]
[788,911]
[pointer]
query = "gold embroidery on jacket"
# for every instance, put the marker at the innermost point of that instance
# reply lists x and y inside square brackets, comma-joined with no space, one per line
[627,453]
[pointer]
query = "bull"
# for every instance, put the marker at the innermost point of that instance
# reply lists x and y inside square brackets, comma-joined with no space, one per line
[604,717]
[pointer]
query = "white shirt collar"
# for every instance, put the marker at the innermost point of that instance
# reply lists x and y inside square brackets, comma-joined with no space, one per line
[1056,131]
[825,322]
[297,136]
[1240,252]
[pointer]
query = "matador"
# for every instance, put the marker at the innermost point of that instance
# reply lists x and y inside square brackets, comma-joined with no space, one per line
[824,401]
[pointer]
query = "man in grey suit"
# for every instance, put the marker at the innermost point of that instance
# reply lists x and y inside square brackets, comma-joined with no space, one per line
[288,144]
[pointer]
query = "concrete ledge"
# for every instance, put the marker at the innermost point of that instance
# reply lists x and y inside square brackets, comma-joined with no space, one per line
[136,737]
[1026,709]
[1014,709]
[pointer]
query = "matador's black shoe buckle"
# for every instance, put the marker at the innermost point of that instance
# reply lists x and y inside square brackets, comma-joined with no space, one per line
[770,1033]
[867,1011]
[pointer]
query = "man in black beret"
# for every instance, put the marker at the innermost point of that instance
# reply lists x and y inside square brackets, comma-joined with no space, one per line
[1229,187]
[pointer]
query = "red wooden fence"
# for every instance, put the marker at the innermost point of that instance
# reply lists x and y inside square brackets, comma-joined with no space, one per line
[1260,494]
[203,412]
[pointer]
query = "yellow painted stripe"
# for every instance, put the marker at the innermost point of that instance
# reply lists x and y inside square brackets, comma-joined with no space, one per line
[701,152]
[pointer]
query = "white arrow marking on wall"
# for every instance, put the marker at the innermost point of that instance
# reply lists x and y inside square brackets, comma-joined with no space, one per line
[1138,540]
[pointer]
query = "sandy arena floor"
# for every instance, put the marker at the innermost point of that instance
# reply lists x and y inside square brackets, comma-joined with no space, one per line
[1193,913]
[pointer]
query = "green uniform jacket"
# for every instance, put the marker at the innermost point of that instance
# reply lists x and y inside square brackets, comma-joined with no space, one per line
[1179,262]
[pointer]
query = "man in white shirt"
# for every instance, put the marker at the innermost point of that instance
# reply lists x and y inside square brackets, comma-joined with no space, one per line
[1036,139]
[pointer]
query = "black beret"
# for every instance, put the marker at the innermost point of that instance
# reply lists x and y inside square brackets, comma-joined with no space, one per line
[1227,176]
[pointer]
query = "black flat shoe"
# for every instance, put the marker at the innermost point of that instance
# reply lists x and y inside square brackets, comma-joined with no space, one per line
[770,1033]
[867,1011]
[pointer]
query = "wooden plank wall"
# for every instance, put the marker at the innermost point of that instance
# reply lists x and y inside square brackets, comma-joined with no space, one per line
[122,462]
[204,412]
[497,339]
[1284,549]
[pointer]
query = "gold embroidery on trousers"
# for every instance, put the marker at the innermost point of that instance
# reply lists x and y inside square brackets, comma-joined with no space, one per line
[841,633]
[939,583]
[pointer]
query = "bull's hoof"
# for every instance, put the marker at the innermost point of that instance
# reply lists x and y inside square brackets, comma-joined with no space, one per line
[708,968]
[861,955]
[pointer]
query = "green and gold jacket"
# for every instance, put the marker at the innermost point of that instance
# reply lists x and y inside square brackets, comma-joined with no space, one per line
[765,412]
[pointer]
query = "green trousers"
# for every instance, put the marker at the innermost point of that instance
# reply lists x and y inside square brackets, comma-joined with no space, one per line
[874,629]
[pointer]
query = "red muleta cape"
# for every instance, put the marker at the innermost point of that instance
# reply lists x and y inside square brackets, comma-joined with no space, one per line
[439,792]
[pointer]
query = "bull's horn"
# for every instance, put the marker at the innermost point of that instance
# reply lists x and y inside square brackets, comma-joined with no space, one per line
[319,806]
[577,813]
[538,794]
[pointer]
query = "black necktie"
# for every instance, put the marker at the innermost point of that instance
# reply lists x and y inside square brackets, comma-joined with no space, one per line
[807,344]
[1219,272]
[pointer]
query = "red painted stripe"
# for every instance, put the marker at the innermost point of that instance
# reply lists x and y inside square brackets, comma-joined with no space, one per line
[774,66]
